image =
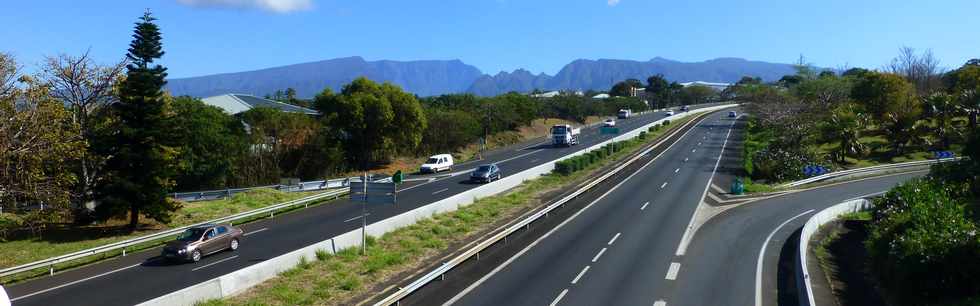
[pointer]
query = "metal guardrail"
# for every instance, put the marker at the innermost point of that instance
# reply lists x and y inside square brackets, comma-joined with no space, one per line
[50,262]
[486,243]
[837,174]
[302,186]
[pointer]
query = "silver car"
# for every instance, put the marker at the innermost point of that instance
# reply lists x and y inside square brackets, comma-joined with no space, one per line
[199,241]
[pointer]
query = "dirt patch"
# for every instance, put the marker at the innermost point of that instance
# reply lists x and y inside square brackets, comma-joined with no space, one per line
[844,262]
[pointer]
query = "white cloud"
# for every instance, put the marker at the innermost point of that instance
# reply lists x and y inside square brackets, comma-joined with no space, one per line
[276,6]
[612,2]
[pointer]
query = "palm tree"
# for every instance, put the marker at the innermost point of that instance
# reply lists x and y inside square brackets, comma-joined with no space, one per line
[844,127]
[943,107]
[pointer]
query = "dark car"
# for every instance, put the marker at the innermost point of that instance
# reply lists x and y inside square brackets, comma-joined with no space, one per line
[485,173]
[684,108]
[203,240]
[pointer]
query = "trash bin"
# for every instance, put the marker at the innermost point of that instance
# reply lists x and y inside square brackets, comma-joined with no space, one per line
[738,187]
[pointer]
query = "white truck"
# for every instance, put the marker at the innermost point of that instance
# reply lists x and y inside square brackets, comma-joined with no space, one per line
[564,135]
[625,113]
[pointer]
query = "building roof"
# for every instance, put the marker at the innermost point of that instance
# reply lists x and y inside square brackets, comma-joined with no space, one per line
[601,96]
[717,86]
[238,103]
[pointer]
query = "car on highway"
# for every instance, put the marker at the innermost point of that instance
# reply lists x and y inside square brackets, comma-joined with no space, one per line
[4,299]
[202,240]
[437,163]
[485,173]
[684,108]
[669,113]
[732,114]
[609,122]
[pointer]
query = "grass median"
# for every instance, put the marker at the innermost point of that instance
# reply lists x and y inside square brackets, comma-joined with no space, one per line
[348,277]
[61,239]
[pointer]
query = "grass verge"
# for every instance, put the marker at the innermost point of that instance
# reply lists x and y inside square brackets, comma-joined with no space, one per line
[338,279]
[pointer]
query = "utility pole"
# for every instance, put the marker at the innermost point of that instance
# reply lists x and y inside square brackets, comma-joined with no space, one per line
[364,218]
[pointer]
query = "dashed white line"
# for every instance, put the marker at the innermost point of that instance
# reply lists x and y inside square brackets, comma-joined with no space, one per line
[579,276]
[596,258]
[613,239]
[694,150]
[685,159]
[71,283]
[560,295]
[355,218]
[672,271]
[664,185]
[660,303]
[256,231]
[440,190]
[214,263]
[677,170]
[644,206]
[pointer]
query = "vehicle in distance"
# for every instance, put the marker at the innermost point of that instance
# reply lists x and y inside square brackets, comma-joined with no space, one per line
[564,135]
[437,163]
[609,122]
[684,108]
[485,173]
[732,114]
[202,240]
[669,113]
[624,113]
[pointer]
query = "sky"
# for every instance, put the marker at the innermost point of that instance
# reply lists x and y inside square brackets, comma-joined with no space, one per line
[217,36]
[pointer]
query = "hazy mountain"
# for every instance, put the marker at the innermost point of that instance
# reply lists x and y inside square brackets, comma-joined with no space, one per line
[427,78]
[424,78]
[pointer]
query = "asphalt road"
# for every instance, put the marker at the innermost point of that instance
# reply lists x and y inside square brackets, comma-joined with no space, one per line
[142,276]
[619,248]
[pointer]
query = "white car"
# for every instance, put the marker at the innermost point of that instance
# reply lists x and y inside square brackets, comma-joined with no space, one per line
[437,163]
[609,122]
[4,299]
[669,113]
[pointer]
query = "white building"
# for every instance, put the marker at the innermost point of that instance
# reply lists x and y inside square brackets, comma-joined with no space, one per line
[237,103]
[715,86]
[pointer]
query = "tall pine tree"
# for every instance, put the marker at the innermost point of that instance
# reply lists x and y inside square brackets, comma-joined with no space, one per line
[142,151]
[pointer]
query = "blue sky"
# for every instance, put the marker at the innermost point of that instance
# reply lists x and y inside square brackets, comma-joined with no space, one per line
[215,36]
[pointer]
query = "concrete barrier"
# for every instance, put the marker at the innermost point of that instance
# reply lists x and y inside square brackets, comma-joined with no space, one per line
[238,281]
[805,292]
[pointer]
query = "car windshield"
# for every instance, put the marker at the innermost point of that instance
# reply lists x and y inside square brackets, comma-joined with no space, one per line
[485,168]
[191,234]
[432,160]
[558,130]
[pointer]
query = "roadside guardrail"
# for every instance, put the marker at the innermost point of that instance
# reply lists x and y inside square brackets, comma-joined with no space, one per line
[302,186]
[270,210]
[865,170]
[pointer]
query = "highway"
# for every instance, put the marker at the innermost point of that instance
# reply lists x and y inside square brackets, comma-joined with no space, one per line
[625,247]
[142,276]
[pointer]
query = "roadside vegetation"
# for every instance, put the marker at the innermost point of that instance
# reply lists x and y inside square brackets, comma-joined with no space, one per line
[337,279]
[856,117]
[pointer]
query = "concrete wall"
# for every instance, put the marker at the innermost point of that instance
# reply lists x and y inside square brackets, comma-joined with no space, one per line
[238,281]
[805,292]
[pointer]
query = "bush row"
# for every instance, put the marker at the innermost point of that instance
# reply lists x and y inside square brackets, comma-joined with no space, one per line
[583,161]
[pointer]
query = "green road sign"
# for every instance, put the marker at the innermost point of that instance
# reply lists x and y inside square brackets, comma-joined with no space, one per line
[398,178]
[609,130]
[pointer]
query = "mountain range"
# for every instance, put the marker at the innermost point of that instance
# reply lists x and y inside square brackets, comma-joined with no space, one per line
[436,77]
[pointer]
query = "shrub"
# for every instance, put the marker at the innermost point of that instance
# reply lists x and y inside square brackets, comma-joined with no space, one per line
[666,122]
[642,136]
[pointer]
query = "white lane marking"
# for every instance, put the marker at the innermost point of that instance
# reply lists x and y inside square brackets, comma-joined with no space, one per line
[579,276]
[677,170]
[643,207]
[535,160]
[672,271]
[685,159]
[762,254]
[214,263]
[682,246]
[71,283]
[613,239]
[471,170]
[440,190]
[256,231]
[699,143]
[660,303]
[560,295]
[572,217]
[596,258]
[355,218]
[694,150]
[664,185]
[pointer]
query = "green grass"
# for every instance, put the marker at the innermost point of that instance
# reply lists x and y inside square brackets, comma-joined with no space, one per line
[753,187]
[332,280]
[857,216]
[60,240]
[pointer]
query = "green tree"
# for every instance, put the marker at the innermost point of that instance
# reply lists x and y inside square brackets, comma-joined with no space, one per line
[943,108]
[844,126]
[967,87]
[212,143]
[142,149]
[409,121]
[882,93]
[625,88]
[279,142]
[659,89]
[697,94]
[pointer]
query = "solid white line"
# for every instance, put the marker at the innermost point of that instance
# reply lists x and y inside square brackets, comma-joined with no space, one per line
[572,217]
[613,239]
[256,231]
[71,283]
[664,185]
[762,254]
[677,170]
[596,258]
[644,206]
[214,263]
[672,271]
[560,295]
[440,190]
[660,303]
[685,239]
[355,218]
[580,275]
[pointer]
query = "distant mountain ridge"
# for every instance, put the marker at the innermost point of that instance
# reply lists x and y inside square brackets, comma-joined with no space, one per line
[436,77]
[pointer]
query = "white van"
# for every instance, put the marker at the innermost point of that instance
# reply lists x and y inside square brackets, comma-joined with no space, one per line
[437,163]
[4,299]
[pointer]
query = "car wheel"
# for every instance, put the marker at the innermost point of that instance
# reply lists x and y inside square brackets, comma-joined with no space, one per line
[196,256]
[234,245]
